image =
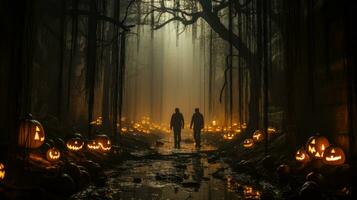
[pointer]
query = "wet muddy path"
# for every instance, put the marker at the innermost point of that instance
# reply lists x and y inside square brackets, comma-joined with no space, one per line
[184,173]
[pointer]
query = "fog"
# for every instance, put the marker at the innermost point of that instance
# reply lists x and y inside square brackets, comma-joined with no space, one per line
[166,70]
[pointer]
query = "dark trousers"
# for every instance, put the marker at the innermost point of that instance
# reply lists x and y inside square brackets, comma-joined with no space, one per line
[177,137]
[197,137]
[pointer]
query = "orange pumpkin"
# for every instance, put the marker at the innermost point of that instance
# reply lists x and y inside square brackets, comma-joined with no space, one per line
[2,171]
[258,136]
[92,145]
[302,156]
[316,145]
[75,144]
[248,143]
[31,133]
[53,154]
[104,142]
[228,136]
[334,156]
[271,130]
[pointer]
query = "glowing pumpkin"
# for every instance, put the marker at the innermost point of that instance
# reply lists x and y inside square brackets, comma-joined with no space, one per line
[53,154]
[97,122]
[75,144]
[228,136]
[214,123]
[244,126]
[248,143]
[92,145]
[302,156]
[334,156]
[258,136]
[31,133]
[104,142]
[238,130]
[271,130]
[316,146]
[2,171]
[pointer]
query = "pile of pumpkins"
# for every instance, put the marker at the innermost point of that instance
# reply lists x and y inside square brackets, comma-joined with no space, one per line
[32,136]
[257,137]
[318,147]
[73,175]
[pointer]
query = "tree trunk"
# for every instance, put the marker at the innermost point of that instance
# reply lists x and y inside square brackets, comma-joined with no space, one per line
[254,69]
[91,61]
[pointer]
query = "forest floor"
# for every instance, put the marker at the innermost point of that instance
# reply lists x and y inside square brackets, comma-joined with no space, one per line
[147,166]
[186,173]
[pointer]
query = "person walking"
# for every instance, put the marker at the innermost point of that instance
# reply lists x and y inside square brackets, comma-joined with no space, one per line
[177,123]
[197,122]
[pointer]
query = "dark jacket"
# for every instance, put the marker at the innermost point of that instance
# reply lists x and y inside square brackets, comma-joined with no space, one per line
[177,121]
[197,121]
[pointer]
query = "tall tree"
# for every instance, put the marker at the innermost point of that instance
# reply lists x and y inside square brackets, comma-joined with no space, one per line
[209,11]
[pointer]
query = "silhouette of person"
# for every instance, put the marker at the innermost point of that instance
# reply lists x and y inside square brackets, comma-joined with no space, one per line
[197,122]
[177,123]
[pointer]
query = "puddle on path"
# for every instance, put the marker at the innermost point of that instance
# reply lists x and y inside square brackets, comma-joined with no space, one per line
[183,174]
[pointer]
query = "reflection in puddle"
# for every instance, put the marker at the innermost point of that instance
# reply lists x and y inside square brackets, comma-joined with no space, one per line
[248,191]
[179,176]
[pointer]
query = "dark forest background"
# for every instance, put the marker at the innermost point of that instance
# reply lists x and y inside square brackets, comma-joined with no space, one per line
[64,62]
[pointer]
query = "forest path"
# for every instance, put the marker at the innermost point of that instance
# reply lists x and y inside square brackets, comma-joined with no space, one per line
[184,173]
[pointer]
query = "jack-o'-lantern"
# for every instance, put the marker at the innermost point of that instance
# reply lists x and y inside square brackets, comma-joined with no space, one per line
[104,142]
[97,122]
[53,154]
[302,156]
[2,171]
[31,133]
[93,145]
[316,146]
[258,136]
[248,143]
[228,136]
[75,144]
[214,123]
[271,130]
[243,126]
[124,129]
[238,130]
[334,156]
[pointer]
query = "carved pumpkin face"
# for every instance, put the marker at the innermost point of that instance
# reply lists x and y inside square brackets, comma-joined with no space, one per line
[334,156]
[271,130]
[237,130]
[31,134]
[302,156]
[104,142]
[258,136]
[97,122]
[243,126]
[92,145]
[53,154]
[75,144]
[124,129]
[2,171]
[316,146]
[228,136]
[248,143]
